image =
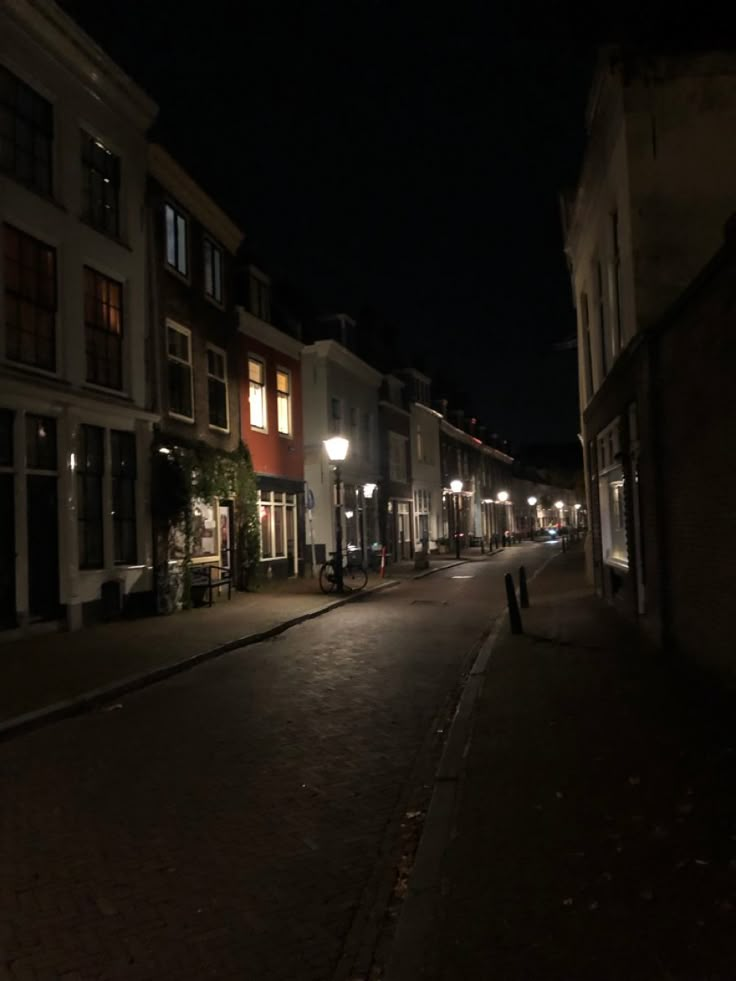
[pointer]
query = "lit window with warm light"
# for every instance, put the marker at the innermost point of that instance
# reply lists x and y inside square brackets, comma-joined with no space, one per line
[257,393]
[283,401]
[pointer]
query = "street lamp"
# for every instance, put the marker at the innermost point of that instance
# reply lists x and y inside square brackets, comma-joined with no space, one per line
[560,505]
[456,487]
[368,492]
[337,449]
[502,497]
[531,501]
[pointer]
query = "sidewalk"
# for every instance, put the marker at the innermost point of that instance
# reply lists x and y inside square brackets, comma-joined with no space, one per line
[592,831]
[61,671]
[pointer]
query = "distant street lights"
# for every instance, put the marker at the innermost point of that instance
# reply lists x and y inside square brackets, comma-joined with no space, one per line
[337,449]
[503,497]
[531,501]
[456,487]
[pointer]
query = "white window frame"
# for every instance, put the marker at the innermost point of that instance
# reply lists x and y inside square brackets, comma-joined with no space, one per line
[214,269]
[218,351]
[173,267]
[287,502]
[172,325]
[279,396]
[263,389]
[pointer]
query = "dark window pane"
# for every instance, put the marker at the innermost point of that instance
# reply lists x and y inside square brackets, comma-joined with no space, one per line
[218,403]
[6,438]
[100,185]
[26,133]
[180,391]
[30,299]
[90,473]
[103,322]
[122,446]
[40,443]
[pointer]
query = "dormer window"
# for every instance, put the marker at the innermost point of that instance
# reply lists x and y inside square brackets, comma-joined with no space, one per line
[260,298]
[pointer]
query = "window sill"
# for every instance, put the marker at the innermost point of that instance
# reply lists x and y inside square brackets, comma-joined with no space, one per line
[620,564]
[219,429]
[259,429]
[103,390]
[108,235]
[176,274]
[217,304]
[175,415]
[22,366]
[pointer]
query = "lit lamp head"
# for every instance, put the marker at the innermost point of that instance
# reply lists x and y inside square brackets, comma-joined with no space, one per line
[368,491]
[578,506]
[456,486]
[531,501]
[503,496]
[559,504]
[337,448]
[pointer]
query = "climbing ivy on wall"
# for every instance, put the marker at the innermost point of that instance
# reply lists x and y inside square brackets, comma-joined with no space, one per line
[194,471]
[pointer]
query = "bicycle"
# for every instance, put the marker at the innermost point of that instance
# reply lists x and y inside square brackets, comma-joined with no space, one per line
[354,576]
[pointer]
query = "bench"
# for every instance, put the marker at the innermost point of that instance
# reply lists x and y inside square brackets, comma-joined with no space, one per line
[203,581]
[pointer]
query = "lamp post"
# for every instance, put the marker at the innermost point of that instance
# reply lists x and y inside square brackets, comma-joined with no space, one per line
[368,492]
[531,501]
[337,449]
[560,506]
[502,497]
[456,487]
[577,516]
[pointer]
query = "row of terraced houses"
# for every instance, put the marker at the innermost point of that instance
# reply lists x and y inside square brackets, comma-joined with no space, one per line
[133,322]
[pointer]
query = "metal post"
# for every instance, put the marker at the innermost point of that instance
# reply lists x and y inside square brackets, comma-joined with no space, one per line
[523,591]
[361,497]
[514,615]
[338,534]
[457,526]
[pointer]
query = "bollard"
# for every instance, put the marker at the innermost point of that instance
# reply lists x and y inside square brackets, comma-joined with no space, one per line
[514,615]
[564,546]
[523,591]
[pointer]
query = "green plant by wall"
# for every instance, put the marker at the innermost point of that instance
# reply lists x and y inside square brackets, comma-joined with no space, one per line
[194,471]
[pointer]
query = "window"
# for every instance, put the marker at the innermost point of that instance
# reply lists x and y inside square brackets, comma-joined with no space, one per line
[601,317]
[100,186]
[420,446]
[335,416]
[354,431]
[213,271]
[283,401]
[616,272]
[40,442]
[260,298]
[257,393]
[6,438]
[397,457]
[204,529]
[103,329]
[179,349]
[277,511]
[30,300]
[217,387]
[26,133]
[90,474]
[587,346]
[124,472]
[367,434]
[176,239]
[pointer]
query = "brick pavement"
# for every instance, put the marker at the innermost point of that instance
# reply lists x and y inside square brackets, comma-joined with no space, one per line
[596,832]
[227,822]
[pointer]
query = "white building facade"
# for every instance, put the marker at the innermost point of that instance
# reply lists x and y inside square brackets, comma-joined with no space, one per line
[426,474]
[74,427]
[340,398]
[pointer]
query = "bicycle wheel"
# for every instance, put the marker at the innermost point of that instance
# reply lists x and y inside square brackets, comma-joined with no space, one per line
[356,577]
[327,578]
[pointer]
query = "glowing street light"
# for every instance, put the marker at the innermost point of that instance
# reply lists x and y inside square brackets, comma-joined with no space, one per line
[531,501]
[337,450]
[456,487]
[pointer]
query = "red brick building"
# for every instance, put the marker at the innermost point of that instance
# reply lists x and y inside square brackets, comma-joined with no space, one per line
[270,387]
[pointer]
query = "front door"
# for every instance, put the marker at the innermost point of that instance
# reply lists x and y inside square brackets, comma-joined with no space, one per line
[7,551]
[43,548]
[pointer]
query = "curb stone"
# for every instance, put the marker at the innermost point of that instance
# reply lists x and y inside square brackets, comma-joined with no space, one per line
[97,696]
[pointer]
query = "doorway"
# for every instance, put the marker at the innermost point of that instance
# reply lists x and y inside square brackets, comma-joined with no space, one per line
[43,548]
[7,552]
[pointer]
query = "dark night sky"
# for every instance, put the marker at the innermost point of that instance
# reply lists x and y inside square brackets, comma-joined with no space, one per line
[378,159]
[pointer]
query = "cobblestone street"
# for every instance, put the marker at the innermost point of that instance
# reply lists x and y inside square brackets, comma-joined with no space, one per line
[231,821]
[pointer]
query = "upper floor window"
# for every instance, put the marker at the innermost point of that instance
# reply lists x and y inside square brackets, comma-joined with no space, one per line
[420,444]
[260,298]
[354,430]
[257,393]
[587,346]
[30,300]
[601,297]
[213,271]
[335,415]
[26,133]
[283,401]
[103,329]
[397,457]
[100,186]
[217,387]
[176,239]
[179,351]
